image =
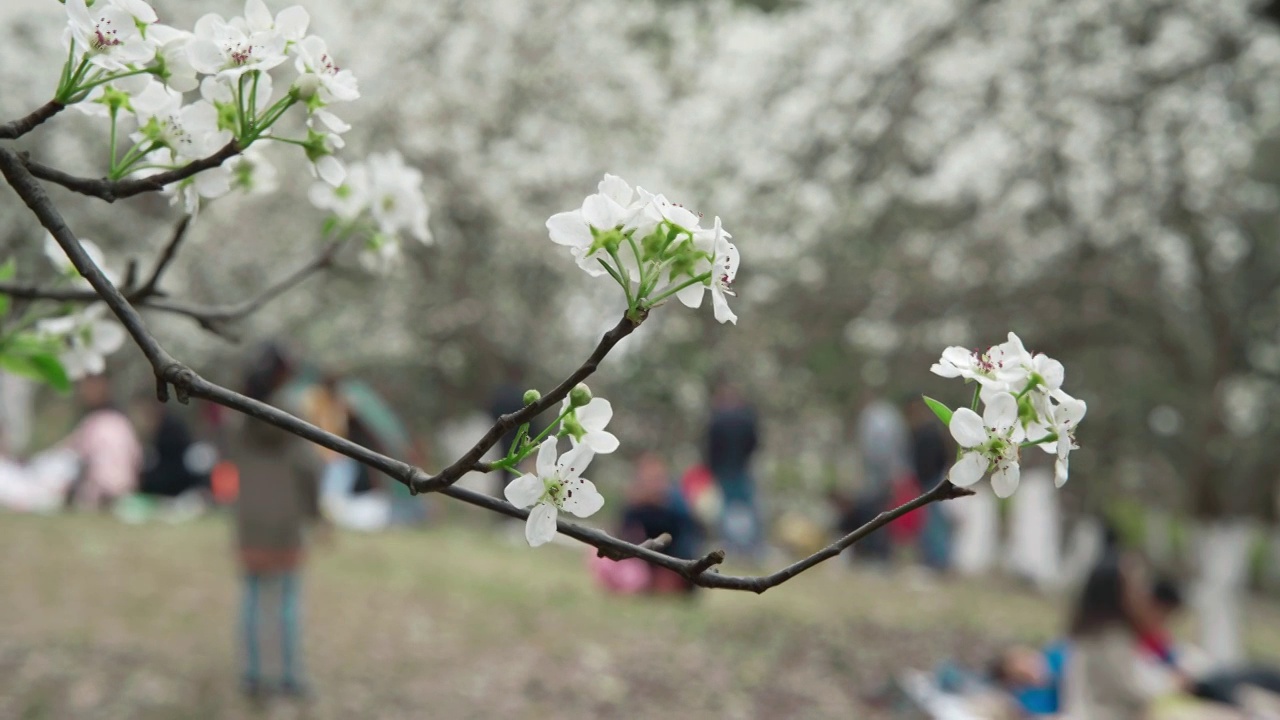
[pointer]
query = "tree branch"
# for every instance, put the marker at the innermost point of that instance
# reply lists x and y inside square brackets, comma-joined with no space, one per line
[148,295]
[188,384]
[17,128]
[112,190]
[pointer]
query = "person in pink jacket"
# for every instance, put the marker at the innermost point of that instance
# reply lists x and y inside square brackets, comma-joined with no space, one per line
[108,448]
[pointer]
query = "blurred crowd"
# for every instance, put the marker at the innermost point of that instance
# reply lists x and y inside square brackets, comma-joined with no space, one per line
[1117,660]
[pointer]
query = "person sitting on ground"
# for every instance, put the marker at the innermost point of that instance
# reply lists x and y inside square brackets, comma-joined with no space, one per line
[1032,677]
[654,506]
[107,446]
[1222,685]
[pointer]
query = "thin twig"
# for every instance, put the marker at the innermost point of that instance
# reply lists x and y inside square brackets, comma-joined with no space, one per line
[17,128]
[151,286]
[471,459]
[212,317]
[112,190]
[187,384]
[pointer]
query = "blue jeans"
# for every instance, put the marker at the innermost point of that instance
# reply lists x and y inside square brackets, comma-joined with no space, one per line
[251,615]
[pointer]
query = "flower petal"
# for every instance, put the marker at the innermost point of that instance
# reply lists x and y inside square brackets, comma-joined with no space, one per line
[545,465]
[616,189]
[1001,412]
[1004,481]
[968,470]
[569,228]
[572,463]
[595,415]
[541,525]
[602,442]
[581,498]
[720,305]
[967,429]
[524,490]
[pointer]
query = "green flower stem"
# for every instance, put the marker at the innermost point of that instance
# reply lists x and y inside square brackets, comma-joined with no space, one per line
[268,119]
[1047,438]
[518,453]
[241,110]
[109,78]
[524,430]
[67,92]
[677,288]
[977,390]
[643,280]
[624,279]
[131,159]
[253,97]
[112,151]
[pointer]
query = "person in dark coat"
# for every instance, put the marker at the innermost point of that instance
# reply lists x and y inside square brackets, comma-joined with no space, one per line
[164,469]
[733,437]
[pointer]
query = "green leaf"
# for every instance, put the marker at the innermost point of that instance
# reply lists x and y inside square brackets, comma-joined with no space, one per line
[8,269]
[43,367]
[942,411]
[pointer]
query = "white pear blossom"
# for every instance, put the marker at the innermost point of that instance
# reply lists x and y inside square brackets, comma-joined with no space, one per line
[230,49]
[290,23]
[986,444]
[188,131]
[54,252]
[987,368]
[608,209]
[587,424]
[1061,420]
[651,210]
[555,485]
[380,254]
[110,32]
[171,52]
[723,267]
[347,200]
[319,73]
[252,173]
[395,196]
[88,337]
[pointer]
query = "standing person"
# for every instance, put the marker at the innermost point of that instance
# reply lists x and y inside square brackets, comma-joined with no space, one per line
[107,446]
[931,457]
[278,497]
[508,397]
[732,439]
[884,442]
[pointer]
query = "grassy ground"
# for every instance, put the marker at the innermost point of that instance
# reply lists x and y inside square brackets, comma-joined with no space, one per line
[102,620]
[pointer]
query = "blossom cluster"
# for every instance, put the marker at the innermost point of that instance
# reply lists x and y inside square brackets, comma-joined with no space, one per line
[652,247]
[84,338]
[557,483]
[380,198]
[1023,404]
[125,65]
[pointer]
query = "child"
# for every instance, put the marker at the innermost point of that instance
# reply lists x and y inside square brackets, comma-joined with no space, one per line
[278,496]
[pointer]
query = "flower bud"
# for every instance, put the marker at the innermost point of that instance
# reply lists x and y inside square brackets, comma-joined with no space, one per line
[531,396]
[306,85]
[579,396]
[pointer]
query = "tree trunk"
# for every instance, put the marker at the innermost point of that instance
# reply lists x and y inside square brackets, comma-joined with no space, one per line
[1222,555]
[16,397]
[1083,550]
[1035,530]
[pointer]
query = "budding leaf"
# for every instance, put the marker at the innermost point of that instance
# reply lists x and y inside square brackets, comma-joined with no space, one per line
[942,411]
